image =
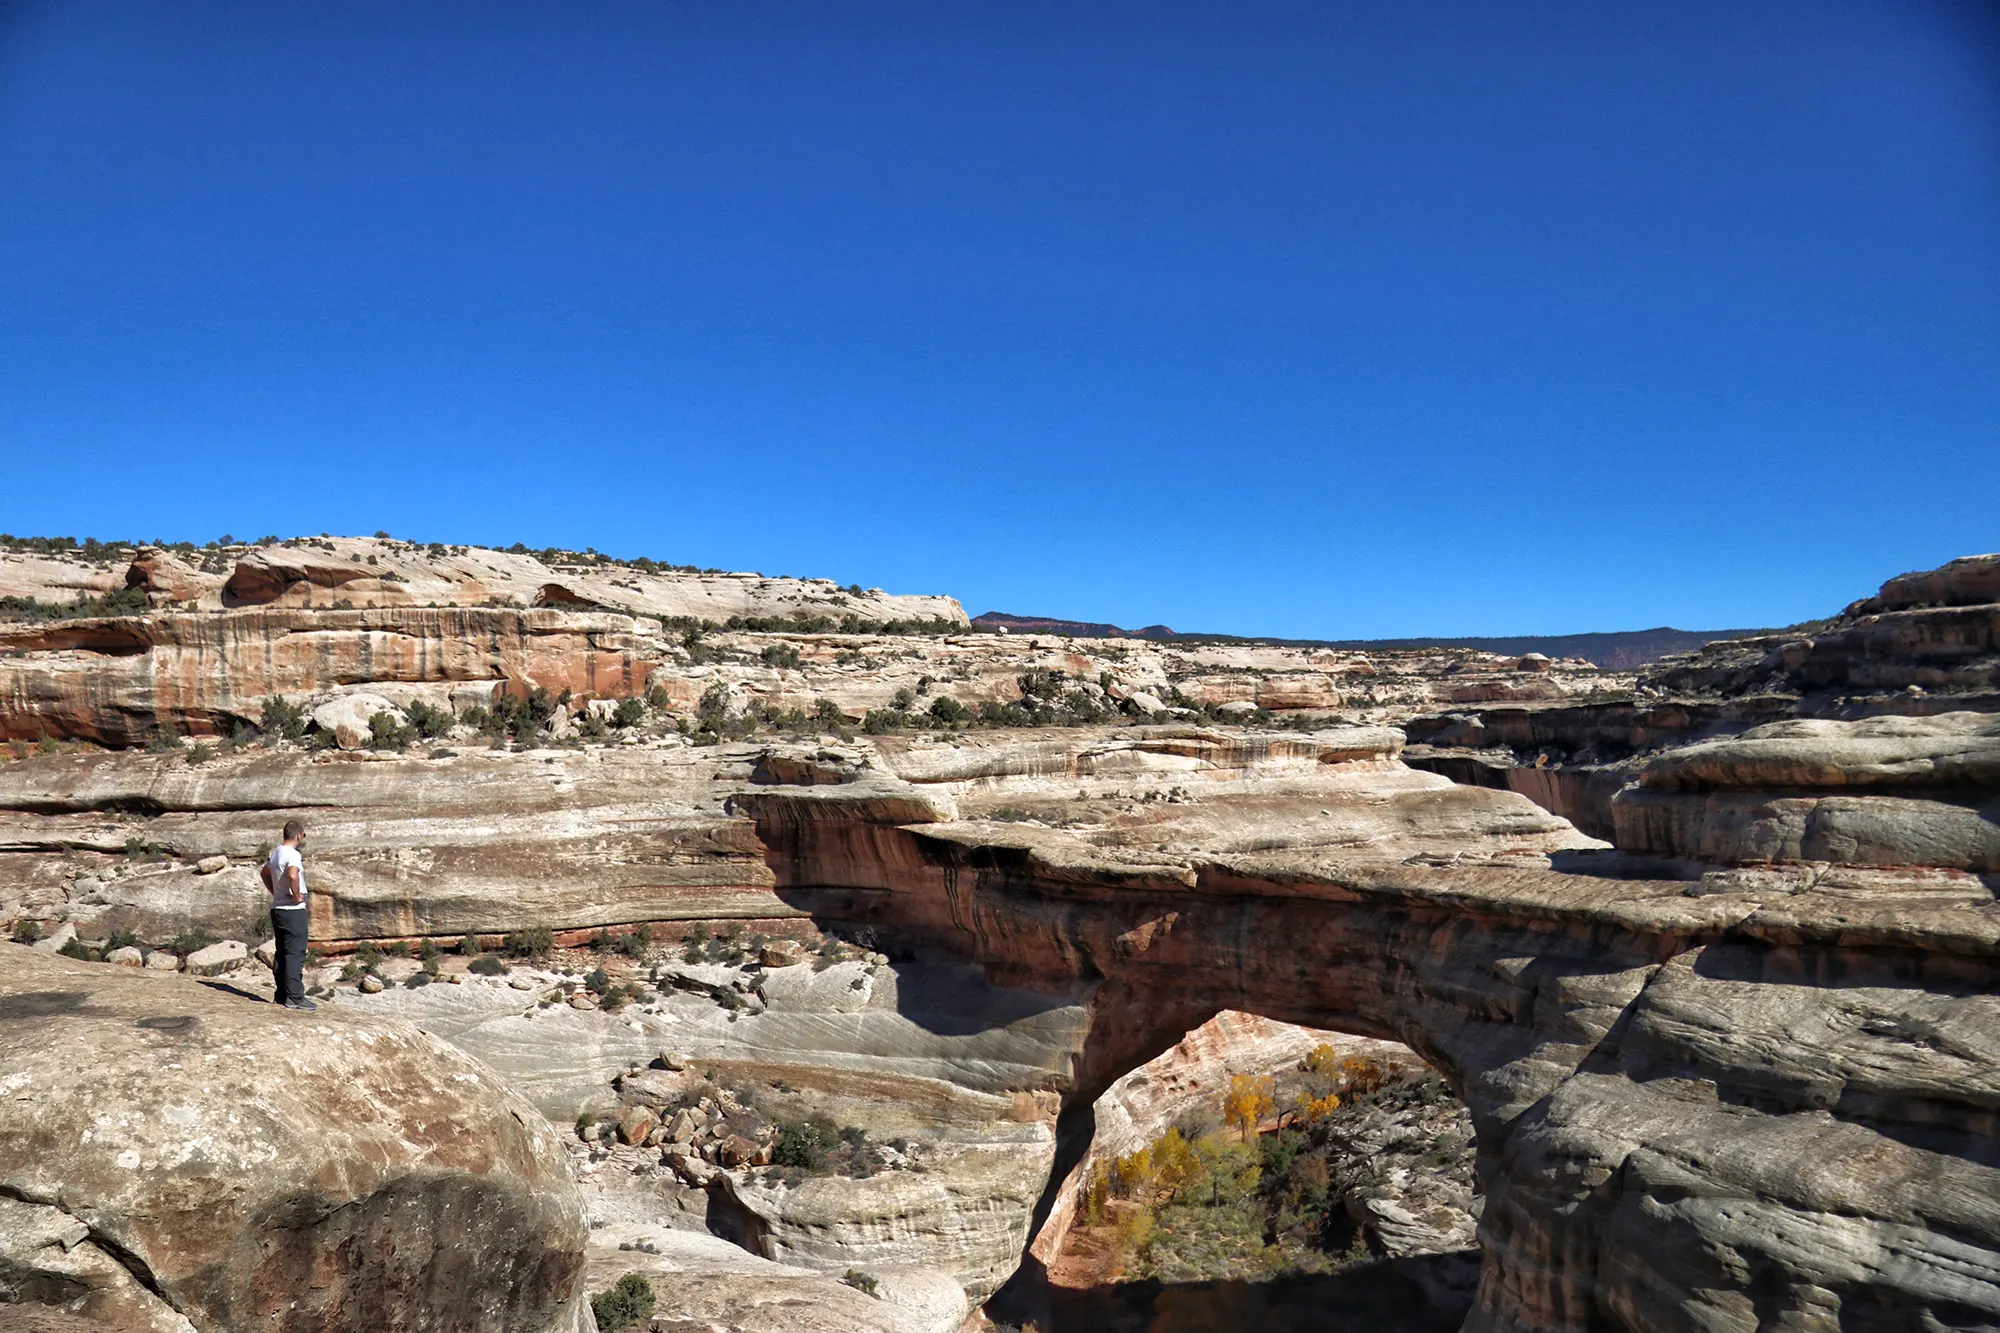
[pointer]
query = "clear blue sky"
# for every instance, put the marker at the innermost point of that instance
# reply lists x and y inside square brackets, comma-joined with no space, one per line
[1317,320]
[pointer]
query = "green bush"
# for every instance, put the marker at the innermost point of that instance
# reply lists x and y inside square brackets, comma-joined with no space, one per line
[283,721]
[949,712]
[805,1143]
[386,733]
[427,721]
[629,713]
[882,721]
[469,946]
[536,943]
[27,930]
[781,655]
[190,941]
[487,965]
[79,950]
[627,1305]
[636,942]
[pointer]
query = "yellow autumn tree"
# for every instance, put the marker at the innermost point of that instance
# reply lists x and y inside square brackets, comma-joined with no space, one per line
[1248,1100]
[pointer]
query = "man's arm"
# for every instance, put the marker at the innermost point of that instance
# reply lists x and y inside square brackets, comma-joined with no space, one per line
[264,875]
[292,889]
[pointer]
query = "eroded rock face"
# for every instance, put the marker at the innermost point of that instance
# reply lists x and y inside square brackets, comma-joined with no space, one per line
[175,1156]
[1795,1109]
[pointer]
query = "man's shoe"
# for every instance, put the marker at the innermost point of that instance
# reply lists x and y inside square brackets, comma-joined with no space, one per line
[300,1004]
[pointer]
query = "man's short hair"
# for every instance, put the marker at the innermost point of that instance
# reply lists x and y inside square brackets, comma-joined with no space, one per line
[294,828]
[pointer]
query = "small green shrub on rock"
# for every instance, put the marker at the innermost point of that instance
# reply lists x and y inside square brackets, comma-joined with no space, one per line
[627,1305]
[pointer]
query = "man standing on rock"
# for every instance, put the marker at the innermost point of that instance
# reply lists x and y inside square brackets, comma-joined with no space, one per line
[285,876]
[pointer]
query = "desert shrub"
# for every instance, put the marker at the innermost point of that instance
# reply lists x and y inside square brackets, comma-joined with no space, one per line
[629,713]
[386,733]
[538,942]
[598,981]
[121,938]
[77,949]
[805,1143]
[200,754]
[882,721]
[627,1305]
[469,946]
[283,721]
[949,712]
[861,1281]
[591,727]
[417,979]
[827,713]
[27,930]
[476,717]
[487,965]
[123,602]
[781,655]
[636,942]
[659,700]
[190,941]
[427,721]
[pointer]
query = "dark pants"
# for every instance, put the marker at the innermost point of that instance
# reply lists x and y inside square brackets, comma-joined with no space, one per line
[288,928]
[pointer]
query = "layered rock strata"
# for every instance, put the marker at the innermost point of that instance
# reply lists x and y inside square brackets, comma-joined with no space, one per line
[376,625]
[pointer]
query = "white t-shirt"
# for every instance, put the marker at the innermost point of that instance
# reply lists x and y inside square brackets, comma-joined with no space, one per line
[283,857]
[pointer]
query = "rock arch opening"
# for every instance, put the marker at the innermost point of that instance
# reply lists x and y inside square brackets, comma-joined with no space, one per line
[1261,1174]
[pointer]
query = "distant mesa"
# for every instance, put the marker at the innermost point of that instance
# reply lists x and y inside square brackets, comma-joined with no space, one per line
[1618,650]
[1080,629]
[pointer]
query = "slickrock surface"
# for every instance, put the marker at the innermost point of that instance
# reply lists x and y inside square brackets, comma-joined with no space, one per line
[698,1278]
[175,1156]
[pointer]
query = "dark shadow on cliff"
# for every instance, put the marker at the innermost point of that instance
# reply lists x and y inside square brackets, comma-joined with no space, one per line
[1384,1296]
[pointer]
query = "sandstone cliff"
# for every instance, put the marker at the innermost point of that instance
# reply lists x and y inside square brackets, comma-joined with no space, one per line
[1735,1072]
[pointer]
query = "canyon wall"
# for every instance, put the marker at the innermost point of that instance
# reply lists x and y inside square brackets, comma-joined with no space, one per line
[1728,1038]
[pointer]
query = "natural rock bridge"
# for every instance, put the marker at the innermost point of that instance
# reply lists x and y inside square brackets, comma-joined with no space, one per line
[1730,1104]
[1708,1096]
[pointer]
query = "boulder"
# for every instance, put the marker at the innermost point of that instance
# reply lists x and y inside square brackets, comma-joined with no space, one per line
[218,958]
[267,953]
[54,940]
[126,956]
[782,953]
[1144,702]
[159,960]
[638,1123]
[168,578]
[209,865]
[346,718]
[217,1164]
[370,984]
[736,1150]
